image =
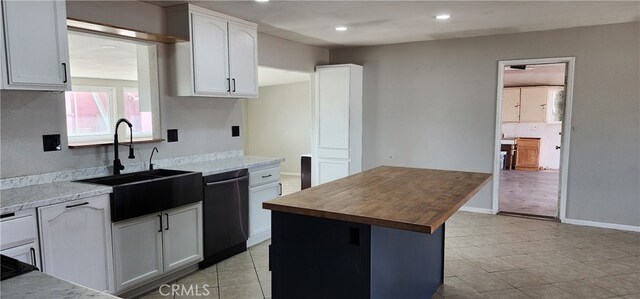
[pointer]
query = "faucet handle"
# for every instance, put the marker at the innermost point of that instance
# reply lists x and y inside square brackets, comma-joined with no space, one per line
[131,155]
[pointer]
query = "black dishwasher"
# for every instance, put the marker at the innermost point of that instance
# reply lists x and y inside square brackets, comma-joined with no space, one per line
[225,215]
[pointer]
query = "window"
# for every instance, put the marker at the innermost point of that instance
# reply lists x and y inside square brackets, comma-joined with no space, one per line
[111,78]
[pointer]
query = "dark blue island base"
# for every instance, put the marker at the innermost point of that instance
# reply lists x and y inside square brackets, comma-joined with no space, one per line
[312,257]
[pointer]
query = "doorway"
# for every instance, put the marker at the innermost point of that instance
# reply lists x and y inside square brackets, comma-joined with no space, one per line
[278,122]
[532,133]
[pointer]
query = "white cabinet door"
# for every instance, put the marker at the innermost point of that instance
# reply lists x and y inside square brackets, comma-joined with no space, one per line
[76,242]
[137,250]
[511,105]
[36,50]
[533,101]
[243,60]
[259,218]
[27,253]
[332,169]
[182,239]
[209,42]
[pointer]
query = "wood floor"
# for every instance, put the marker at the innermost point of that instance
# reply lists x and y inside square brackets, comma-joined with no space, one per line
[529,192]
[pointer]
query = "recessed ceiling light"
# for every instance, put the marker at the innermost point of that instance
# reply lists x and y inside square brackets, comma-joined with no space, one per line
[108,47]
[262,0]
[341,28]
[443,17]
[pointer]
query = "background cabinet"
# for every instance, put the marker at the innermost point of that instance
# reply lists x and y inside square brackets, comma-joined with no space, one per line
[264,184]
[220,58]
[527,153]
[533,102]
[149,246]
[76,242]
[337,123]
[35,53]
[19,237]
[511,105]
[536,104]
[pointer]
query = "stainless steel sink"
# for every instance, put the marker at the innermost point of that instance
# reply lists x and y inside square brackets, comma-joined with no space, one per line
[145,192]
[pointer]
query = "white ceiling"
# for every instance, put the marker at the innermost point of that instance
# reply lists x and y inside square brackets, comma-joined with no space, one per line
[388,22]
[102,57]
[270,76]
[535,75]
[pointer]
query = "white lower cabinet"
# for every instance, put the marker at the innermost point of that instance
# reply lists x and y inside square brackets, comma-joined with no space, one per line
[137,246]
[264,185]
[150,246]
[76,242]
[19,237]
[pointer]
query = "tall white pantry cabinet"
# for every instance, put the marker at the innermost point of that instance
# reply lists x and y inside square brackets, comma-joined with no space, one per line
[337,123]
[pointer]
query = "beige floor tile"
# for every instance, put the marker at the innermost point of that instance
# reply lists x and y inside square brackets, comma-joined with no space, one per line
[204,278]
[560,273]
[519,278]
[632,296]
[450,256]
[612,267]
[583,255]
[263,274]
[437,296]
[523,261]
[493,264]
[484,282]
[237,262]
[462,267]
[203,293]
[454,286]
[506,294]
[244,291]
[553,258]
[583,289]
[266,288]
[466,296]
[546,291]
[156,295]
[617,285]
[238,277]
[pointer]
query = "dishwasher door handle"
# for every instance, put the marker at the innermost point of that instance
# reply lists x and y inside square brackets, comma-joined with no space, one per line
[227,181]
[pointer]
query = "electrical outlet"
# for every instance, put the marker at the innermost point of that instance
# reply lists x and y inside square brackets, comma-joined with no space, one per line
[172,135]
[51,143]
[235,131]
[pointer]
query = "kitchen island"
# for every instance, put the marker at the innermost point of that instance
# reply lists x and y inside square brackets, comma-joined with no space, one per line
[376,234]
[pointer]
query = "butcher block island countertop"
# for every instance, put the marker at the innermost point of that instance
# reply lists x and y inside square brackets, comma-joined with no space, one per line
[411,199]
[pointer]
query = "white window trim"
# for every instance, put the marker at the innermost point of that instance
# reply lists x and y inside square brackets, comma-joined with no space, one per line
[135,135]
[84,138]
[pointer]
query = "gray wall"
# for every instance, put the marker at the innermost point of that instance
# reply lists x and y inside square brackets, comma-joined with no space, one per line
[279,124]
[204,124]
[433,104]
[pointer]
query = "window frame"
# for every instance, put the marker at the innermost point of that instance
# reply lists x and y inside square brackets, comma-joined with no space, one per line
[85,138]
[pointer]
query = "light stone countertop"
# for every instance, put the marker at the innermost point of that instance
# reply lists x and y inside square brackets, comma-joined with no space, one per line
[36,284]
[17,199]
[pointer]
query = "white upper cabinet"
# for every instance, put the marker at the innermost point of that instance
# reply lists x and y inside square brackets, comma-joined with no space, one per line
[35,53]
[533,101]
[535,104]
[511,105]
[243,60]
[219,57]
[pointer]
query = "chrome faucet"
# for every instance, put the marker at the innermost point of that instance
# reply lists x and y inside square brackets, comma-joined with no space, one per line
[117,165]
[155,149]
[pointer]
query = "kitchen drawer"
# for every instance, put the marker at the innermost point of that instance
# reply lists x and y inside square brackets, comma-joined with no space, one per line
[17,230]
[264,176]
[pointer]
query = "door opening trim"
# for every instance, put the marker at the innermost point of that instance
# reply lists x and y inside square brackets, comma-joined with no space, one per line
[566,129]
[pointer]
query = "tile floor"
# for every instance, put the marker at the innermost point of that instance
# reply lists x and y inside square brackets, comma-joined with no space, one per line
[486,256]
[529,192]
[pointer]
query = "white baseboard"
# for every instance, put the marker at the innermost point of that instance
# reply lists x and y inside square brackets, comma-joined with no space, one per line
[290,173]
[624,227]
[477,210]
[260,237]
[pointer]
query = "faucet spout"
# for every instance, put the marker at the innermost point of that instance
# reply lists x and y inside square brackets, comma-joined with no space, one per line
[117,165]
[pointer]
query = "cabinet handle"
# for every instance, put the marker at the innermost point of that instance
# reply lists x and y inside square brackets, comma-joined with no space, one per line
[77,205]
[160,230]
[280,189]
[167,221]
[64,69]
[33,256]
[557,147]
[234,84]
[266,176]
[228,84]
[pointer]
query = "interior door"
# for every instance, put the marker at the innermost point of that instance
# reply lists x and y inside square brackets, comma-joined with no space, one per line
[332,124]
[210,55]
